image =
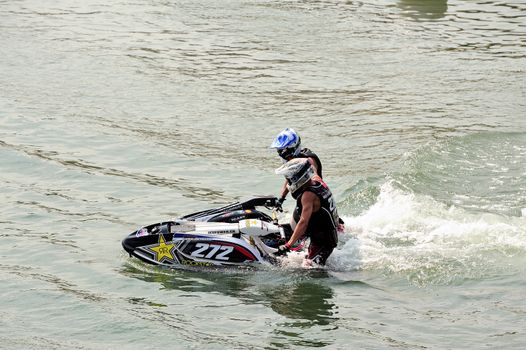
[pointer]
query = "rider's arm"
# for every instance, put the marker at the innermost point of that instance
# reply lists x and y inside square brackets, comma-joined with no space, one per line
[284,190]
[307,202]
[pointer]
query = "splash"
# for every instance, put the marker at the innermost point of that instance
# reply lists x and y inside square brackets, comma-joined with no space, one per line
[427,241]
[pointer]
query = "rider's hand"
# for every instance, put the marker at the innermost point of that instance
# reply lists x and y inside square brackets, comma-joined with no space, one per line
[282,250]
[279,204]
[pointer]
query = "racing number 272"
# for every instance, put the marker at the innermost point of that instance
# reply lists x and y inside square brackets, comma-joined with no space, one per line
[212,251]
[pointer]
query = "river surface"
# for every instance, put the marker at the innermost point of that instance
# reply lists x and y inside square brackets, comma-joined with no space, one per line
[119,114]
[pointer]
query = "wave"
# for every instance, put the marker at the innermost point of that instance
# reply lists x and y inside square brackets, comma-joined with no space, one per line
[482,172]
[443,219]
[428,241]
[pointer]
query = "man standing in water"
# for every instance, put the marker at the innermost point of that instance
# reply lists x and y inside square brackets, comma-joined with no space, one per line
[288,145]
[315,214]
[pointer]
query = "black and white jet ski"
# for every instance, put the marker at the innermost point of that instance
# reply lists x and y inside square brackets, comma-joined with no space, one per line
[239,234]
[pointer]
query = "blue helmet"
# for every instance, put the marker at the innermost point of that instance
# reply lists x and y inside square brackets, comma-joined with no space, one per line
[287,143]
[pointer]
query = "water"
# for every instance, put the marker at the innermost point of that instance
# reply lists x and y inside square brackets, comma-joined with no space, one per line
[116,115]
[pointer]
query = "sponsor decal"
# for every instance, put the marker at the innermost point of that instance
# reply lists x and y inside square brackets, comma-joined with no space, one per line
[252,222]
[195,263]
[162,250]
[141,232]
[222,231]
[189,236]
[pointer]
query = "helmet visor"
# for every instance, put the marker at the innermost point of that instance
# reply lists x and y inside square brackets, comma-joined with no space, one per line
[286,153]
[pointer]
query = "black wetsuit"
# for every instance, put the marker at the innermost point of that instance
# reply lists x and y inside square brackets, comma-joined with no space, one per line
[307,153]
[322,226]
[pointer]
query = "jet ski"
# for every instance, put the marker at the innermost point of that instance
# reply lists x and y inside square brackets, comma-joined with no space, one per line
[239,234]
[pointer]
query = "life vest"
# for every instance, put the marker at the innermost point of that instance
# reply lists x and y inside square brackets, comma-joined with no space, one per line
[323,224]
[307,153]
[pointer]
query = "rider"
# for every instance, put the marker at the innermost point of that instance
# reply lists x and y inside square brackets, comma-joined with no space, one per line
[288,145]
[315,214]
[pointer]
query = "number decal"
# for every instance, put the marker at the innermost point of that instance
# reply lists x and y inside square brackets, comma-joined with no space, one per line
[227,249]
[212,251]
[201,247]
[332,205]
[333,211]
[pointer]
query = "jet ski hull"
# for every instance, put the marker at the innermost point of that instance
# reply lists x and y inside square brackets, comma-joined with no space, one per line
[234,235]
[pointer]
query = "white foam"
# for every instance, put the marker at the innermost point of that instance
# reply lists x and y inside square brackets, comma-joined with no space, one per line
[293,260]
[414,234]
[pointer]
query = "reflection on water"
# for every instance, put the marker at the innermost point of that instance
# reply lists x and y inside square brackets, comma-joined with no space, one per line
[302,300]
[423,9]
[302,297]
[308,301]
[220,280]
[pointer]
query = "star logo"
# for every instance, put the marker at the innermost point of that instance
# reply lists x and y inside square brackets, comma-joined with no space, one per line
[163,250]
